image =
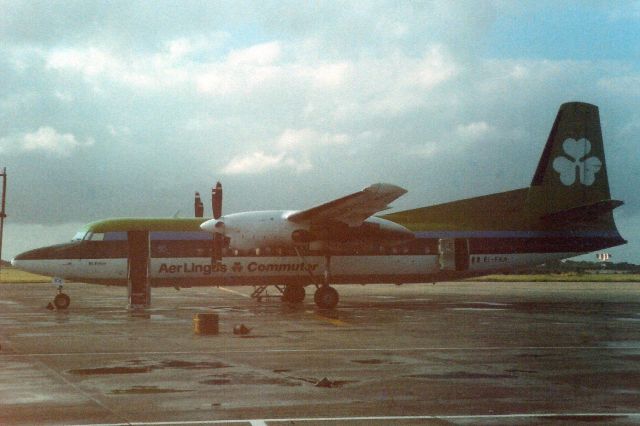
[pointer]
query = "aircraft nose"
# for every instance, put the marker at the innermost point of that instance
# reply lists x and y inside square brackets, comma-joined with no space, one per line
[20,257]
[20,260]
[27,255]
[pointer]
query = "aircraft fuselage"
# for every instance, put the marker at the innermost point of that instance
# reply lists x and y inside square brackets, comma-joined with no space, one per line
[184,258]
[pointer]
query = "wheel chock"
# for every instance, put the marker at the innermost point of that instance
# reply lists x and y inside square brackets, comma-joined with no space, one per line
[205,324]
[240,329]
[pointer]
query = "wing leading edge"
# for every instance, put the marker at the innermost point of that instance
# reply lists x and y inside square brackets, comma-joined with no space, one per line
[352,209]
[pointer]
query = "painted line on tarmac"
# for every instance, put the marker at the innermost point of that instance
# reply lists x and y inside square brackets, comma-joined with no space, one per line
[330,350]
[261,422]
[334,321]
[228,290]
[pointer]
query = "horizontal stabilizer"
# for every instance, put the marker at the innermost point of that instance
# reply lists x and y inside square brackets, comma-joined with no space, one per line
[581,213]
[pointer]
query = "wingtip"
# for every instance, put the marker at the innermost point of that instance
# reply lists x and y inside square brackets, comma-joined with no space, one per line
[386,188]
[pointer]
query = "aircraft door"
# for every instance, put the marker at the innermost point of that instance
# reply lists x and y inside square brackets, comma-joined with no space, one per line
[138,269]
[447,254]
[462,254]
[453,254]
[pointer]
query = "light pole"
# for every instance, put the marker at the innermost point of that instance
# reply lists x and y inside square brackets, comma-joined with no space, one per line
[2,211]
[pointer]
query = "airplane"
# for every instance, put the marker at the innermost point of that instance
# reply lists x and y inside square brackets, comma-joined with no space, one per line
[566,211]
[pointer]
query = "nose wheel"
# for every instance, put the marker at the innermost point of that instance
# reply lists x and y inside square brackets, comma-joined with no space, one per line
[61,301]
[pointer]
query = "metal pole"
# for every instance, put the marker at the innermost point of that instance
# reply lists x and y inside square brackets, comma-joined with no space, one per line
[2,212]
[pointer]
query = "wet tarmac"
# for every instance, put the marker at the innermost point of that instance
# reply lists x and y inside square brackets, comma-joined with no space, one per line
[453,353]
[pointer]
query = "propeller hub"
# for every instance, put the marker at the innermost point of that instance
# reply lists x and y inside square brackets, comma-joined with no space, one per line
[213,225]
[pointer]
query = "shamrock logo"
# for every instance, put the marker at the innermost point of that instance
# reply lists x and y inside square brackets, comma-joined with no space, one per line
[574,165]
[237,267]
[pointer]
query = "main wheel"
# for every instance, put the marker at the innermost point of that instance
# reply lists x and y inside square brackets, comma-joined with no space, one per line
[61,301]
[326,297]
[293,294]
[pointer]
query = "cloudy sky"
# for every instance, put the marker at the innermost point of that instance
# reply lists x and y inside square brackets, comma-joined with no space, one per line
[125,108]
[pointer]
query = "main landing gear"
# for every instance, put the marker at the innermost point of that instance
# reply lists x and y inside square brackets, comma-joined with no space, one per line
[325,297]
[293,294]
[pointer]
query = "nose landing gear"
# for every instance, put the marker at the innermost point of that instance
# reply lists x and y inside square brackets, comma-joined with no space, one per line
[62,300]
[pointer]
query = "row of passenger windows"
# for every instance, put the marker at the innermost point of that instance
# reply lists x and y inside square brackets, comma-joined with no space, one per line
[163,250]
[114,249]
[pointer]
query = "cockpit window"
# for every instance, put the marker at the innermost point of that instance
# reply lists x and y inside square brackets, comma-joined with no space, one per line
[79,236]
[96,236]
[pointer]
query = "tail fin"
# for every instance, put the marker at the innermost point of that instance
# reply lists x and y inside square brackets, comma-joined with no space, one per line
[571,182]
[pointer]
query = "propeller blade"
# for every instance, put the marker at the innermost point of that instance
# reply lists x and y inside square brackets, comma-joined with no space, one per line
[216,200]
[198,206]
[218,241]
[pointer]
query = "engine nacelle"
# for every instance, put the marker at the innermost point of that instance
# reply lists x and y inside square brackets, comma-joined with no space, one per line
[260,229]
[383,232]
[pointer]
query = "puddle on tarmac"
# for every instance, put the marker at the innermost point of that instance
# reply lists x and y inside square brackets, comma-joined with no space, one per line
[110,370]
[138,390]
[136,368]
[248,379]
[193,365]
[216,382]
[373,361]
[459,375]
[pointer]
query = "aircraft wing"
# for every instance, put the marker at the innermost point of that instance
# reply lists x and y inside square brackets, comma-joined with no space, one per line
[352,209]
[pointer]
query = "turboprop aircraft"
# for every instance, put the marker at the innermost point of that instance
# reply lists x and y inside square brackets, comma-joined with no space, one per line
[566,211]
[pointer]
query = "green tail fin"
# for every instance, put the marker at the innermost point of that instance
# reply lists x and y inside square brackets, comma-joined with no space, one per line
[571,182]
